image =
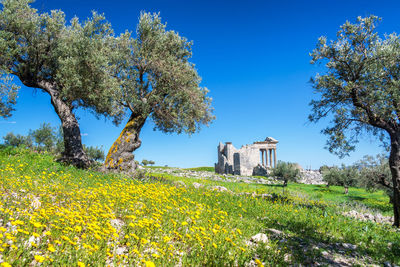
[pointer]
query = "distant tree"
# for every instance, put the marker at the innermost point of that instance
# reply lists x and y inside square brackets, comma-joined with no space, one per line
[59,146]
[44,137]
[324,168]
[17,140]
[94,153]
[361,89]
[151,162]
[331,175]
[70,62]
[145,162]
[375,174]
[286,171]
[157,82]
[345,176]
[8,95]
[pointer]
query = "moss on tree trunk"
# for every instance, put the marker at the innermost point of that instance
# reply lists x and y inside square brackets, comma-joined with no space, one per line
[120,155]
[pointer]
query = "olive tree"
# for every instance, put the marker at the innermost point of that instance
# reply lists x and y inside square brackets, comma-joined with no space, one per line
[286,171]
[345,176]
[68,61]
[8,94]
[375,174]
[157,82]
[360,88]
[44,137]
[10,139]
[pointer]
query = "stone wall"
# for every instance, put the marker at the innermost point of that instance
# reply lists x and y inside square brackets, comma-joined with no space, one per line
[311,177]
[244,161]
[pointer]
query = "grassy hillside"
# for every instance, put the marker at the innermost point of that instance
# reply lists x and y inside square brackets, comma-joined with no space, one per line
[58,215]
[376,201]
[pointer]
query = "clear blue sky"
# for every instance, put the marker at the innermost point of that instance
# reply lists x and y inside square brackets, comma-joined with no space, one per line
[254,58]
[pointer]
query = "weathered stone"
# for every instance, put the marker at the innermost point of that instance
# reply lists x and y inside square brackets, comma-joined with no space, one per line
[243,161]
[311,177]
[197,185]
[259,238]
[220,188]
[260,170]
[117,224]
[180,184]
[275,231]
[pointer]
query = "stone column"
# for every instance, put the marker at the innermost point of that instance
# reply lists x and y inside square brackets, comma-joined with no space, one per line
[274,157]
[266,158]
[270,157]
[262,157]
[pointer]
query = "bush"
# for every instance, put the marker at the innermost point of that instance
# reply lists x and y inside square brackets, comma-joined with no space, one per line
[47,139]
[344,176]
[94,153]
[375,174]
[286,171]
[44,137]
[17,140]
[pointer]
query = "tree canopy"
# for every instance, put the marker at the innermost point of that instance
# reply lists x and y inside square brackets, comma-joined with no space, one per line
[157,81]
[8,95]
[360,88]
[72,62]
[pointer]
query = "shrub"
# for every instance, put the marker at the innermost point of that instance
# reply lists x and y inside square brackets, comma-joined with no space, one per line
[17,140]
[286,171]
[344,176]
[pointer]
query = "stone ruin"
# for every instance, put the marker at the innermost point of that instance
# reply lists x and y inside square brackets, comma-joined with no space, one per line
[254,159]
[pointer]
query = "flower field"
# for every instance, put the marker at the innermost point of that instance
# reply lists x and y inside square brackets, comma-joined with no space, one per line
[56,215]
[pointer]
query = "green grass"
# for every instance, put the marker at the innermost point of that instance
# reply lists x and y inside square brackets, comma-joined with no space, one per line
[377,201]
[168,225]
[202,169]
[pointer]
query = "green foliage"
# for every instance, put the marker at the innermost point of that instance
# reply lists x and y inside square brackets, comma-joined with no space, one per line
[27,174]
[94,153]
[8,95]
[345,176]
[158,81]
[72,60]
[375,174]
[286,171]
[146,162]
[202,169]
[17,140]
[360,84]
[44,137]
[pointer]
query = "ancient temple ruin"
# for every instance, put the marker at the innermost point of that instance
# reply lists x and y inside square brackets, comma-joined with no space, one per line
[254,159]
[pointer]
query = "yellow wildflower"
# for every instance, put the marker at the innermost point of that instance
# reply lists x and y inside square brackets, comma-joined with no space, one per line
[39,258]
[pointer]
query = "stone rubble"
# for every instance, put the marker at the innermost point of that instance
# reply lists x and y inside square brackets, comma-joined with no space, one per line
[378,218]
[306,177]
[311,177]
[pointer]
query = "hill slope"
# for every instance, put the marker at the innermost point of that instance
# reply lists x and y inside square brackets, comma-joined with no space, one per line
[52,214]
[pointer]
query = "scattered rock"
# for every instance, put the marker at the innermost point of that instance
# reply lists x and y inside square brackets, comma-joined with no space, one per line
[349,246]
[180,184]
[378,218]
[197,185]
[275,231]
[288,258]
[259,238]
[120,250]
[36,204]
[311,177]
[219,188]
[117,224]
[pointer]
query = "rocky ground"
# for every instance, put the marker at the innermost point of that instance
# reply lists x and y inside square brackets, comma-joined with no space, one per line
[307,176]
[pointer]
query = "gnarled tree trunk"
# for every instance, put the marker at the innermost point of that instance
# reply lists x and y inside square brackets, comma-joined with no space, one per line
[73,148]
[394,163]
[120,155]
